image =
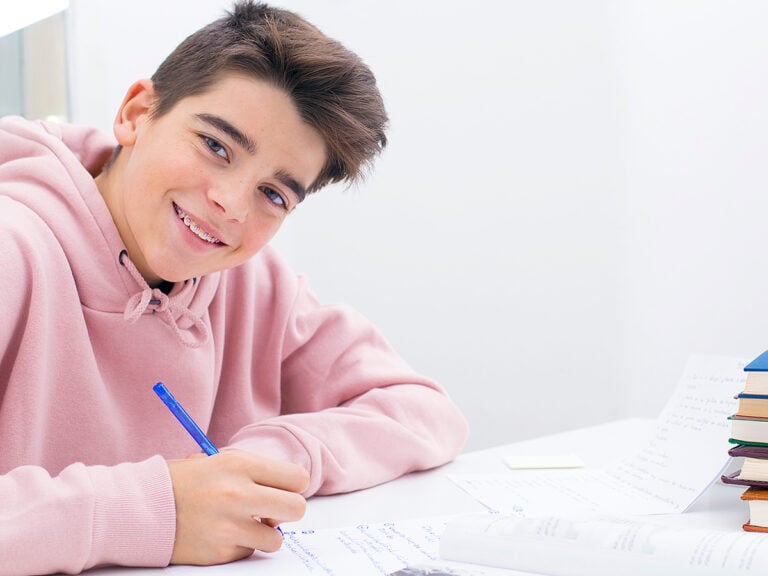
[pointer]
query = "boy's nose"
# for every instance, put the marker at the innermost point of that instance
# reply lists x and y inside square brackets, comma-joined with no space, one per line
[232,199]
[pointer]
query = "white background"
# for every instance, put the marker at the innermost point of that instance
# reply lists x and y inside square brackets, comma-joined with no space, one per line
[572,201]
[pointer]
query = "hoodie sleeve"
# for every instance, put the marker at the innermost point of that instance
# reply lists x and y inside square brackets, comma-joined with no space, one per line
[352,410]
[84,517]
[81,516]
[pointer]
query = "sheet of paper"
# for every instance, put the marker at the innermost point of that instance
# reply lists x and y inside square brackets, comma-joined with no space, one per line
[687,451]
[363,550]
[601,546]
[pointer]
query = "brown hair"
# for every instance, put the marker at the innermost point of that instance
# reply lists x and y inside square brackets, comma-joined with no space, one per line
[333,90]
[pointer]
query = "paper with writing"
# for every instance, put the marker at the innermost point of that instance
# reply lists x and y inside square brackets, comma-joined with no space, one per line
[687,451]
[362,550]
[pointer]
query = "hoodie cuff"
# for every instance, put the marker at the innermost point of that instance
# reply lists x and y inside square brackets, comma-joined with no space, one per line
[134,518]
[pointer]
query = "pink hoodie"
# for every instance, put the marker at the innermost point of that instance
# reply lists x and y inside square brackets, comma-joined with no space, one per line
[250,353]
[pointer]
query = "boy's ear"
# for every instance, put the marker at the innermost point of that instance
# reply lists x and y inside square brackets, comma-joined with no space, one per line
[134,111]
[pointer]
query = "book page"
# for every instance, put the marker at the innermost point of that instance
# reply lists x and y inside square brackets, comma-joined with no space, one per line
[597,546]
[687,451]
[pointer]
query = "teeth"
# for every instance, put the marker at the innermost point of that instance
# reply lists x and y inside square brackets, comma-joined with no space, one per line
[192,225]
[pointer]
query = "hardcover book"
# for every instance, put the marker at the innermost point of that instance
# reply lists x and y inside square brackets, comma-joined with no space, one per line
[748,430]
[735,478]
[749,451]
[755,405]
[757,498]
[757,375]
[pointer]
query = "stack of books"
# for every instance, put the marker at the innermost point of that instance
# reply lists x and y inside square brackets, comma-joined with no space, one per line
[749,433]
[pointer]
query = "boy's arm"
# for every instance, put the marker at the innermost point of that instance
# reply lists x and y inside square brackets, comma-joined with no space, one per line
[85,516]
[354,413]
[371,439]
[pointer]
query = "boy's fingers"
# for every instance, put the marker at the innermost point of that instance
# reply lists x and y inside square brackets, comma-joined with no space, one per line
[261,536]
[274,473]
[278,504]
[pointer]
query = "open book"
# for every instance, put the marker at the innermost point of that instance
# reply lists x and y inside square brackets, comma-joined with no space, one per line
[592,546]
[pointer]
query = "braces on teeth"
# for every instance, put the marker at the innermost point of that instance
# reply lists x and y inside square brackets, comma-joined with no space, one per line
[192,225]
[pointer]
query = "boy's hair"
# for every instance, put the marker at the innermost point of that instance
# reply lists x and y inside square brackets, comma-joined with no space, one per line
[333,90]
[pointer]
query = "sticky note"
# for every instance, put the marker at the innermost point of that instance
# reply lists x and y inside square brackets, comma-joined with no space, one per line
[530,461]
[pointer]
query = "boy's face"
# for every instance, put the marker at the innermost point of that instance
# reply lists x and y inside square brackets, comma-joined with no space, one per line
[205,186]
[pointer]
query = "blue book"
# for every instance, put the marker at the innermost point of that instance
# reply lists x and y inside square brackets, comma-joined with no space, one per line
[759,364]
[757,375]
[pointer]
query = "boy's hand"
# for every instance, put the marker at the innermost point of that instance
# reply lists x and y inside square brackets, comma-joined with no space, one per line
[228,504]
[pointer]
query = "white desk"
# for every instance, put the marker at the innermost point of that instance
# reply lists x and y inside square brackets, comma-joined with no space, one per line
[431,493]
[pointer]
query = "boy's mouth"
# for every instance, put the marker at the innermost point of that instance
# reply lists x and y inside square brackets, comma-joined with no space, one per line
[194,226]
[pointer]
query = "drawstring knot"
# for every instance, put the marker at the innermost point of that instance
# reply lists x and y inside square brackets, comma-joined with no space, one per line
[170,308]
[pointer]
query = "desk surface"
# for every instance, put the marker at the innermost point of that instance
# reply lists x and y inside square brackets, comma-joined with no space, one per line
[431,493]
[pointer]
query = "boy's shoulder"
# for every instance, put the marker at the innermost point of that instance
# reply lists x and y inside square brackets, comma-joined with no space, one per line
[30,248]
[24,232]
[266,267]
[20,224]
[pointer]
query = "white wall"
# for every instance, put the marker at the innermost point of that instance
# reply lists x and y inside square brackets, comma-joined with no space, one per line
[569,205]
[697,131]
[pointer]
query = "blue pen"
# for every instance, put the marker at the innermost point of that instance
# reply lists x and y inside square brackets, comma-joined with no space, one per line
[185,419]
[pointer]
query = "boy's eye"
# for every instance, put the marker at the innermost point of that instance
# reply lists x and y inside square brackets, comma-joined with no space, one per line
[215,147]
[274,197]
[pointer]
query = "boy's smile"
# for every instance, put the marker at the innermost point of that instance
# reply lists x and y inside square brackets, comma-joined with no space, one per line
[196,229]
[205,186]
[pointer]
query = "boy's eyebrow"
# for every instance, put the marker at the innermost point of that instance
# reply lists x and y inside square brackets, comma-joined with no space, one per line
[231,131]
[291,182]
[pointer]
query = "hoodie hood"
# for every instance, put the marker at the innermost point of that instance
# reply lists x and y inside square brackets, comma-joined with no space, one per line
[51,168]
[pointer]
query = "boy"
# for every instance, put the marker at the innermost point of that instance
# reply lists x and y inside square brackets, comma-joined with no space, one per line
[125,265]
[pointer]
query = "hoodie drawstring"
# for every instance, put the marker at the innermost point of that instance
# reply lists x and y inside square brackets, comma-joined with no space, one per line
[169,307]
